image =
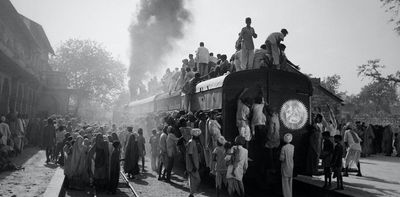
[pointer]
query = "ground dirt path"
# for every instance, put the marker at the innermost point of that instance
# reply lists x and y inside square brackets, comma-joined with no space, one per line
[32,180]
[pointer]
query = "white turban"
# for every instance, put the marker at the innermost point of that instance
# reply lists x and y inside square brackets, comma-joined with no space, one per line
[195,132]
[287,137]
[221,140]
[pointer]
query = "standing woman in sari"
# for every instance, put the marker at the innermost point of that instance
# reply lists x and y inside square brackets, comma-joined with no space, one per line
[369,137]
[131,166]
[77,163]
[99,153]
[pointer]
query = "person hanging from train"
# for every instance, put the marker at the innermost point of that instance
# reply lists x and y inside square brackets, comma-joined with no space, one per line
[259,130]
[273,139]
[286,158]
[191,90]
[272,42]
[243,115]
[193,161]
[213,133]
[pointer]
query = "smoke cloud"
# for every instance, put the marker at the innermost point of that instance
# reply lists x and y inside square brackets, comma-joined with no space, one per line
[159,25]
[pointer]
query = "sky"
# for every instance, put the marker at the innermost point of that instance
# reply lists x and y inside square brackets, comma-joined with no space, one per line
[325,37]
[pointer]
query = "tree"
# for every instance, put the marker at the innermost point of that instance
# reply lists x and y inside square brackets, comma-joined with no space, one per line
[373,70]
[331,83]
[90,68]
[393,7]
[378,96]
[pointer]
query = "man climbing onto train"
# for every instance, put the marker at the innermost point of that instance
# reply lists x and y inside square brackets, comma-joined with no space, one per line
[273,41]
[243,115]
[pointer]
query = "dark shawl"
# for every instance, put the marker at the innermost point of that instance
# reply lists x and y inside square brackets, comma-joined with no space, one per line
[132,156]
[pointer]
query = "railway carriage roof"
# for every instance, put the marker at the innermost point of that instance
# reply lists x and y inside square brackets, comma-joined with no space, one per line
[210,84]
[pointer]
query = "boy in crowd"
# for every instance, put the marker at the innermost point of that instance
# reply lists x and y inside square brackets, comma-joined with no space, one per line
[337,162]
[326,156]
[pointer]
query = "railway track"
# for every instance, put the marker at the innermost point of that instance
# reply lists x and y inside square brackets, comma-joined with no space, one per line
[125,188]
[129,184]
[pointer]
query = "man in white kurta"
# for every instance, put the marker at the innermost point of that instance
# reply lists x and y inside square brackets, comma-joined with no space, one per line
[286,158]
[246,35]
[352,142]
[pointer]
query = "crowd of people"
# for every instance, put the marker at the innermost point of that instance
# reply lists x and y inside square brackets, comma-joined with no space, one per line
[13,129]
[352,141]
[270,55]
[92,154]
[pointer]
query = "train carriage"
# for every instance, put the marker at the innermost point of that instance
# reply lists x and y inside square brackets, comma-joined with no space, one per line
[287,92]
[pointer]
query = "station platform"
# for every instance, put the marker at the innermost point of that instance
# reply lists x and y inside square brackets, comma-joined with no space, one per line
[381,177]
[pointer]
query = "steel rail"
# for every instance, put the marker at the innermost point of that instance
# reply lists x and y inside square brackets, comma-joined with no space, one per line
[129,184]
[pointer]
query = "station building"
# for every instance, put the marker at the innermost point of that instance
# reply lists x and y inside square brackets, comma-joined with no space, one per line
[28,84]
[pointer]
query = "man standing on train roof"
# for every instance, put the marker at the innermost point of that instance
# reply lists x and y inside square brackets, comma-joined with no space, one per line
[273,41]
[191,62]
[246,35]
[202,58]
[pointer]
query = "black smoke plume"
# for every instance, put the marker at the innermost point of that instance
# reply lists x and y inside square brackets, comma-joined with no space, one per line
[159,24]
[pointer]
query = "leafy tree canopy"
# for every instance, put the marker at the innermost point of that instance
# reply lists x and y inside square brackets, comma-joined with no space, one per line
[373,70]
[393,7]
[91,68]
[331,83]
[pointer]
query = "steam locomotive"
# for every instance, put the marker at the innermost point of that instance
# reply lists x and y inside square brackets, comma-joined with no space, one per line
[287,92]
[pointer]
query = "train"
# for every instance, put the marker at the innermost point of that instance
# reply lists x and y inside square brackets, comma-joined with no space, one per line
[287,92]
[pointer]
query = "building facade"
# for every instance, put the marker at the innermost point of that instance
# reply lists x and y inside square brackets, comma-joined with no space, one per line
[28,84]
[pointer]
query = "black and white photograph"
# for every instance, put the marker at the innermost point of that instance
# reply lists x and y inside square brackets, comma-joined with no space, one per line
[199,98]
